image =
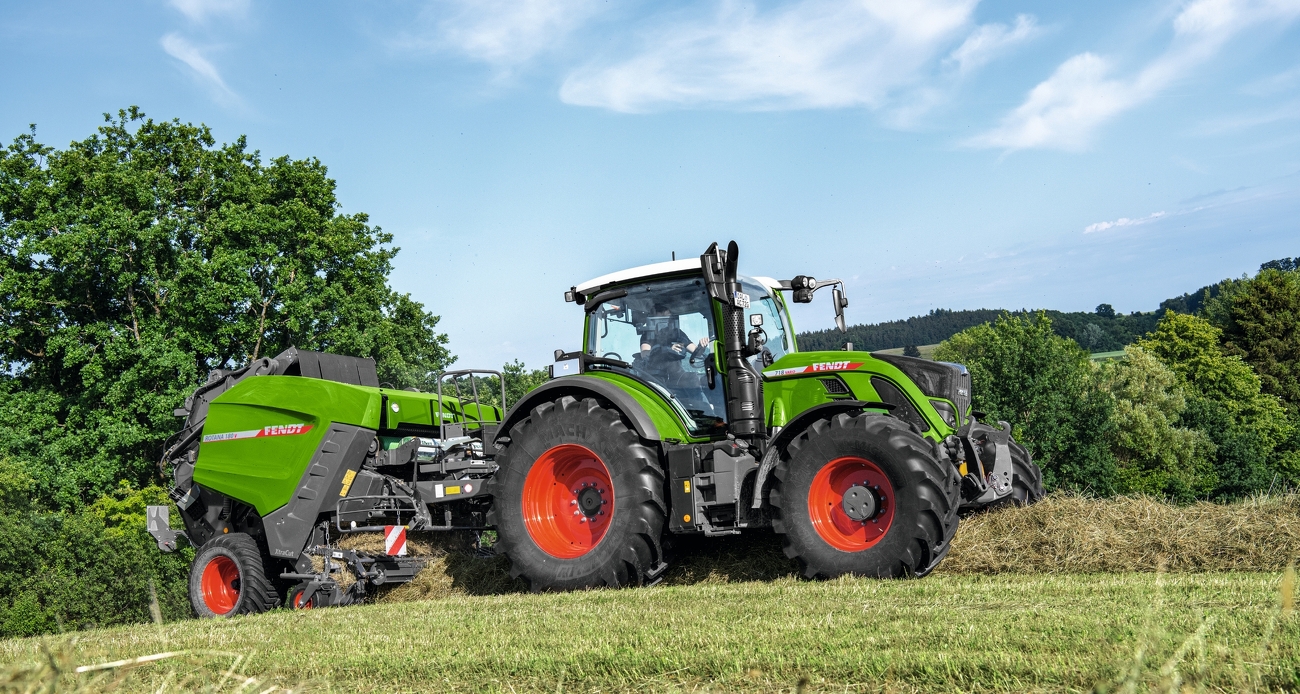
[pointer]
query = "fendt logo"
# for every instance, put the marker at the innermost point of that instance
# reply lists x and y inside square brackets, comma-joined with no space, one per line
[819,366]
[832,366]
[273,430]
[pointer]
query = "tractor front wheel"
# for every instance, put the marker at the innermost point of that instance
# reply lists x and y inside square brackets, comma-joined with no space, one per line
[577,499]
[864,495]
[227,578]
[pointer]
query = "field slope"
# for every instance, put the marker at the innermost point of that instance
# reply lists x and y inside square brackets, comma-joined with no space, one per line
[944,633]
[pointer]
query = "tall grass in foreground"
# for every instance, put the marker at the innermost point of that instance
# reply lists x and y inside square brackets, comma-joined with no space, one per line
[1046,633]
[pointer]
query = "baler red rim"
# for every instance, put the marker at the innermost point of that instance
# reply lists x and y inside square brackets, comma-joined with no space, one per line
[300,604]
[826,498]
[217,583]
[550,496]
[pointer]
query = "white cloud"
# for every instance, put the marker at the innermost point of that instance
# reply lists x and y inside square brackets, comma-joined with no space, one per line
[1065,110]
[181,49]
[199,10]
[990,41]
[505,33]
[1122,222]
[807,54]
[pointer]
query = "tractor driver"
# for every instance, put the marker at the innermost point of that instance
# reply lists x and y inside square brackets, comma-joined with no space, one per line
[663,344]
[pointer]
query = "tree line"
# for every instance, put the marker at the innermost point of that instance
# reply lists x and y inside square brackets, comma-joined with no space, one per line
[1204,406]
[1102,330]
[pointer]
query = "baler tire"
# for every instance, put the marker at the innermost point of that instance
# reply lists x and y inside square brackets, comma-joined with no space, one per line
[562,441]
[295,601]
[227,578]
[1026,480]
[916,499]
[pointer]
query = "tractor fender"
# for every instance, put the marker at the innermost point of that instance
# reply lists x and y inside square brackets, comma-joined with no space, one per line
[580,387]
[796,426]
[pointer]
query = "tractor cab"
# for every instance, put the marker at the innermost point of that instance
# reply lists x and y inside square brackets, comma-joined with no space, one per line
[656,324]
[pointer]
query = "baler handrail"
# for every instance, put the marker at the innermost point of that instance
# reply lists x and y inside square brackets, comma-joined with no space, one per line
[478,405]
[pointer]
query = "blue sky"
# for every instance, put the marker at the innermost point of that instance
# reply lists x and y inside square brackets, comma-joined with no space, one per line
[934,153]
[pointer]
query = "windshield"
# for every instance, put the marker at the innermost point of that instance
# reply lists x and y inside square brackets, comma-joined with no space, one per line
[762,302]
[664,331]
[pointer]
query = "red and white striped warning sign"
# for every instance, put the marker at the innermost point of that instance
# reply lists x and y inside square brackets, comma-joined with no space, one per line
[395,540]
[273,430]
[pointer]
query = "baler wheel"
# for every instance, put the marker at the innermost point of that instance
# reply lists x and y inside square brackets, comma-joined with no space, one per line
[578,499]
[296,600]
[227,578]
[864,495]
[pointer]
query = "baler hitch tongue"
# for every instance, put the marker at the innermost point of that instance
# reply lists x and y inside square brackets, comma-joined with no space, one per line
[159,523]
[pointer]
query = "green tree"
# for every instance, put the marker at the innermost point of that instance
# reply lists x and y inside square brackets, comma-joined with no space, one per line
[1046,388]
[136,260]
[1154,454]
[1225,401]
[1262,326]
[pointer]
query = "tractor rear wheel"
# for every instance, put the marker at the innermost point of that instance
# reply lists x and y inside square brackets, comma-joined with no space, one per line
[578,499]
[227,578]
[864,495]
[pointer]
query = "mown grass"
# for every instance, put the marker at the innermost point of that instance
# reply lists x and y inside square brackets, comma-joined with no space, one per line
[1070,594]
[1141,631]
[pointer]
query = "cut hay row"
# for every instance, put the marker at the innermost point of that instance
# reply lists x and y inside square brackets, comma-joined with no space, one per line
[1073,534]
[1064,533]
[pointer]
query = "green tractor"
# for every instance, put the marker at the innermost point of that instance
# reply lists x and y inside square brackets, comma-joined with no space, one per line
[689,410]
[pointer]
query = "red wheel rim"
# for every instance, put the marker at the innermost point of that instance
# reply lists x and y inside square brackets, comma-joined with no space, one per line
[218,584]
[568,501]
[300,604]
[826,499]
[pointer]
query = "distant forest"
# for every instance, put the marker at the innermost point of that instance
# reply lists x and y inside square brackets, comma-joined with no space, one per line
[1102,330]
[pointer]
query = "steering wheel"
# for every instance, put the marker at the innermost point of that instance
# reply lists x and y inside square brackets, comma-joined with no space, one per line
[616,355]
[700,355]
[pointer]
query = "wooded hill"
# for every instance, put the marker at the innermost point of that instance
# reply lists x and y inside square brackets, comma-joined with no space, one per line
[1102,330]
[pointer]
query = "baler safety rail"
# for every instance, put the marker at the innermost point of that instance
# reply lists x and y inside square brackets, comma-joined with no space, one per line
[477,418]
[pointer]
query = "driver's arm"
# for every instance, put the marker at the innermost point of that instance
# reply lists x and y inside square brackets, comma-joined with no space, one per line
[692,347]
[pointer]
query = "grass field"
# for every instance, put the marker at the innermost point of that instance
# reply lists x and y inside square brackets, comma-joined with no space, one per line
[1028,600]
[945,633]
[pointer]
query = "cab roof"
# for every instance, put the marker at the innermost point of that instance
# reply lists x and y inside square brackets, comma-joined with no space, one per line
[671,267]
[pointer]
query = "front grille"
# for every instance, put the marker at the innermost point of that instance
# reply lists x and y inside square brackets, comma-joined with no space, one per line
[834,386]
[936,379]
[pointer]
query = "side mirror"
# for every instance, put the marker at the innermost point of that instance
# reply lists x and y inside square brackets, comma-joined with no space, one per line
[837,295]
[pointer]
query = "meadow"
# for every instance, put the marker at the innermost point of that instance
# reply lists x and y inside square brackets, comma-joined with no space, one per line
[1073,594]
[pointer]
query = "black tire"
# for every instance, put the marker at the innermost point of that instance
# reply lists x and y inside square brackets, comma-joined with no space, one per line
[925,493]
[235,581]
[1026,480]
[631,544]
